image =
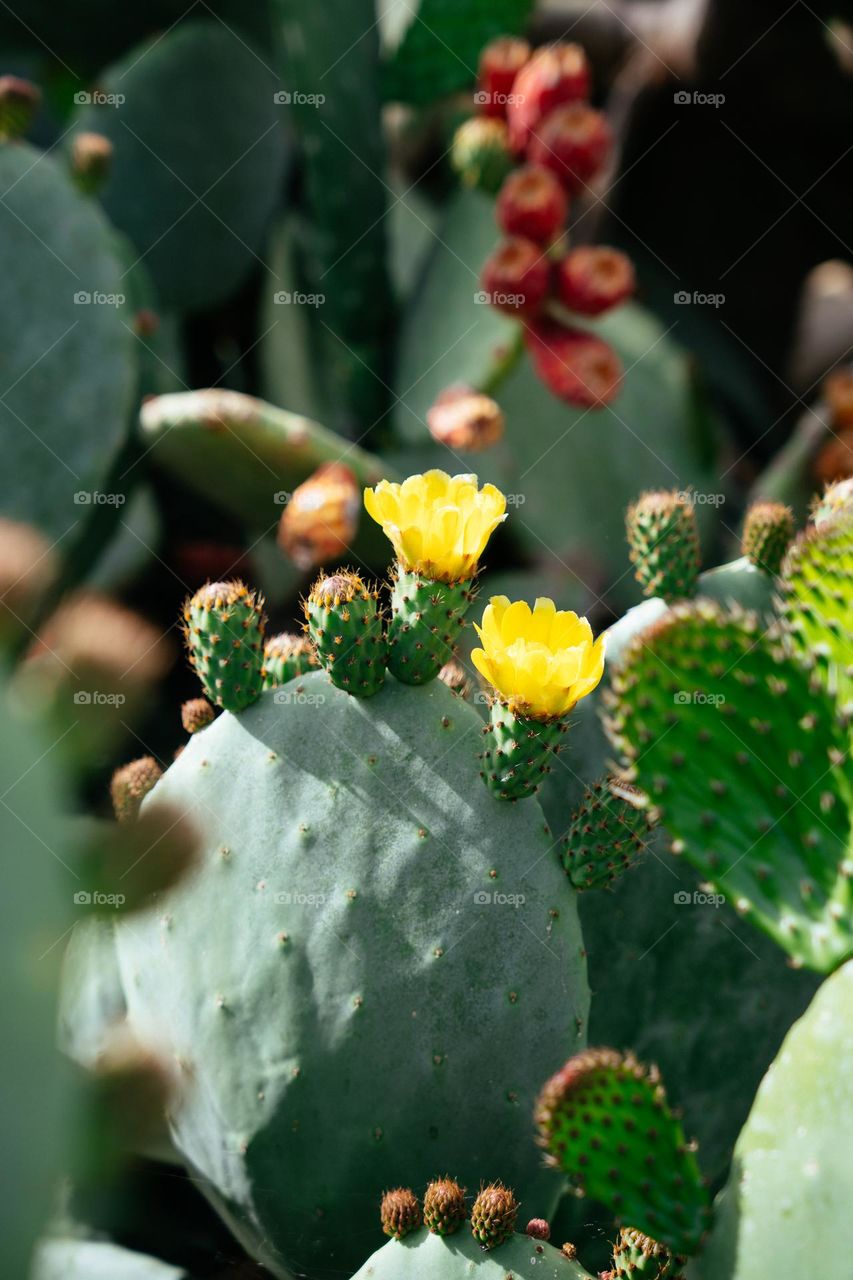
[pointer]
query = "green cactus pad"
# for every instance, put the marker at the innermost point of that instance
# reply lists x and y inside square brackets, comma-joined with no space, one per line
[224,631]
[785,1211]
[345,626]
[98,1260]
[426,619]
[518,752]
[361,902]
[744,757]
[199,156]
[605,1121]
[423,1256]
[608,832]
[767,532]
[664,544]
[637,1256]
[817,600]
[285,656]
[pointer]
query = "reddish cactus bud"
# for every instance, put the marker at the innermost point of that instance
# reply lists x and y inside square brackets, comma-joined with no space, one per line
[515,277]
[533,204]
[593,279]
[196,714]
[538,1229]
[493,1215]
[444,1206]
[500,62]
[91,161]
[576,366]
[400,1212]
[555,75]
[464,419]
[838,390]
[19,102]
[130,785]
[573,142]
[321,518]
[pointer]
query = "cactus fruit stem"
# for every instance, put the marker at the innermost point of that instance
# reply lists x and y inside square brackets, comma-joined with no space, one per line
[426,619]
[518,752]
[345,625]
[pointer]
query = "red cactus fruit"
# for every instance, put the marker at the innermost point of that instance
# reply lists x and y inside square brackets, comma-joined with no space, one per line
[515,278]
[573,142]
[532,203]
[500,62]
[556,74]
[592,279]
[576,366]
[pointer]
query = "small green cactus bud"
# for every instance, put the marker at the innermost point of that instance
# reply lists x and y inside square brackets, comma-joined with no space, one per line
[444,1206]
[19,102]
[400,1212]
[664,544]
[196,714]
[454,675]
[767,531]
[224,632]
[605,1121]
[607,833]
[130,785]
[345,625]
[493,1215]
[285,656]
[480,153]
[637,1255]
[538,1229]
[91,161]
[836,497]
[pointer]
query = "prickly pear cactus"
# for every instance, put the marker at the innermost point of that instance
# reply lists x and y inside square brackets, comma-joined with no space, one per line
[424,1256]
[372,948]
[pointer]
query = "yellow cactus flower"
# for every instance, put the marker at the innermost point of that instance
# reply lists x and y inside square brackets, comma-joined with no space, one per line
[438,524]
[541,660]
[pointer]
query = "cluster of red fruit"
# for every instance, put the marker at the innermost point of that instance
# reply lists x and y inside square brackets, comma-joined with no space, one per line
[559,142]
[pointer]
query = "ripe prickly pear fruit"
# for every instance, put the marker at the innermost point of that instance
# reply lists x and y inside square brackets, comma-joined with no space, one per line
[516,276]
[320,521]
[499,64]
[593,279]
[607,833]
[285,656]
[575,366]
[196,714]
[19,102]
[224,633]
[604,1120]
[130,785]
[532,203]
[400,1213]
[574,142]
[556,74]
[345,626]
[767,532]
[480,153]
[664,544]
[91,161]
[493,1215]
[444,1206]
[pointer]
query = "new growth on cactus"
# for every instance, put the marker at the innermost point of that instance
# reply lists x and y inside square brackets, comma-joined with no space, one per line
[224,630]
[607,834]
[345,626]
[130,785]
[767,532]
[664,544]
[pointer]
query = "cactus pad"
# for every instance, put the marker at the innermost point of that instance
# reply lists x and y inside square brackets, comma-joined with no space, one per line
[224,631]
[744,757]
[664,544]
[608,832]
[817,600]
[345,625]
[424,1256]
[605,1121]
[426,619]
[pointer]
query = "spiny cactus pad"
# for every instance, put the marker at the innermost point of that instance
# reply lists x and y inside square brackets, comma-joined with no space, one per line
[817,599]
[608,832]
[423,1256]
[361,902]
[224,631]
[426,618]
[745,758]
[517,752]
[605,1121]
[664,544]
[286,656]
[767,531]
[345,626]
